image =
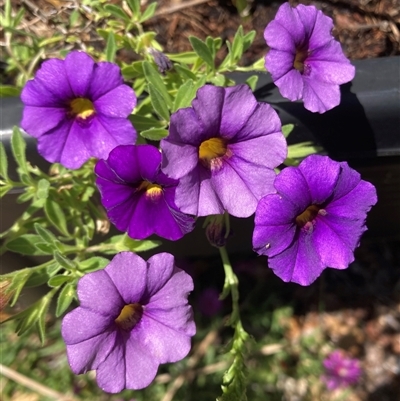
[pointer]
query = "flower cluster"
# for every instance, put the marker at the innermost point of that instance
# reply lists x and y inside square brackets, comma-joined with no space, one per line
[340,370]
[220,157]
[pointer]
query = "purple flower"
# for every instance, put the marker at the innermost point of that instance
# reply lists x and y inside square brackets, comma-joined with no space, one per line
[305,61]
[224,150]
[340,371]
[78,109]
[314,221]
[133,316]
[138,197]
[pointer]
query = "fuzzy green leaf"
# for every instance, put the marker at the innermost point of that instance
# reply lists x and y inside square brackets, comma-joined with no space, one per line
[93,264]
[158,102]
[65,298]
[144,123]
[185,95]
[59,280]
[116,12]
[148,12]
[111,47]
[134,6]
[26,245]
[4,189]
[237,45]
[56,215]
[18,147]
[155,134]
[202,50]
[43,189]
[64,262]
[287,129]
[153,77]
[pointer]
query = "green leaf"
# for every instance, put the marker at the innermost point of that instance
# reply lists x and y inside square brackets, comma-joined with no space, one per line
[9,91]
[25,196]
[59,280]
[153,77]
[18,147]
[46,235]
[158,102]
[43,189]
[26,245]
[93,264]
[202,50]
[116,12]
[252,82]
[134,5]
[44,247]
[111,47]
[185,95]
[37,278]
[248,39]
[3,162]
[148,12]
[56,215]
[18,282]
[300,150]
[65,298]
[119,243]
[49,41]
[185,58]
[4,189]
[144,123]
[154,134]
[64,262]
[237,45]
[287,129]
[185,72]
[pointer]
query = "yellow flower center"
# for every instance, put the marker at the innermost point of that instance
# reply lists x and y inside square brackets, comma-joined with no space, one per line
[306,219]
[129,316]
[299,59]
[82,107]
[152,191]
[211,150]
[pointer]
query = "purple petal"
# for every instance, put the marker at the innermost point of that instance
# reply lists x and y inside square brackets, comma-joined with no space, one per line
[208,105]
[278,37]
[123,160]
[321,174]
[35,93]
[160,269]
[79,68]
[175,290]
[239,105]
[319,96]
[120,129]
[36,121]
[163,342]
[289,18]
[178,159]
[106,76]
[141,365]
[271,125]
[115,194]
[53,76]
[122,214]
[97,292]
[274,225]
[299,263]
[75,151]
[331,246]
[280,65]
[89,354]
[118,102]
[81,324]
[185,128]
[51,144]
[292,185]
[128,273]
[291,84]
[111,373]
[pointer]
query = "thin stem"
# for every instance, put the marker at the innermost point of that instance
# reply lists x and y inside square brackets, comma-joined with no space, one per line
[230,286]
